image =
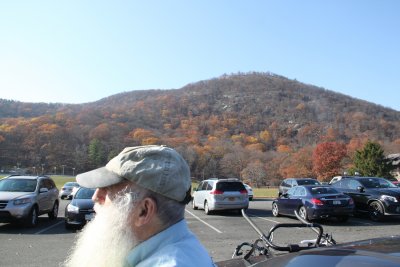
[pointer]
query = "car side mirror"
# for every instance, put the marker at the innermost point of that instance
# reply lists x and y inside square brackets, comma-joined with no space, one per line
[43,190]
[360,188]
[284,195]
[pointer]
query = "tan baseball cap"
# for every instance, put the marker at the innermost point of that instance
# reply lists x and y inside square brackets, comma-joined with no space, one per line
[157,168]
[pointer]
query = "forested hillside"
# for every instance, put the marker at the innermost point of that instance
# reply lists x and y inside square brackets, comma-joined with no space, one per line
[256,126]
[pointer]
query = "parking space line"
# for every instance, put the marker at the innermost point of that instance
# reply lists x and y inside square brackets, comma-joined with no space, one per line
[48,228]
[209,225]
[268,220]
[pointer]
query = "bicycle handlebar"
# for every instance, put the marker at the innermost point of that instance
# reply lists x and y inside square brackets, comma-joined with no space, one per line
[291,247]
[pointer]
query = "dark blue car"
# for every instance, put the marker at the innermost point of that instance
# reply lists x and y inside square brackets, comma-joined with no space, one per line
[314,202]
[80,210]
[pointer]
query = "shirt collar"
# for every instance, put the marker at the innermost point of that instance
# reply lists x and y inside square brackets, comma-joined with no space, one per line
[153,244]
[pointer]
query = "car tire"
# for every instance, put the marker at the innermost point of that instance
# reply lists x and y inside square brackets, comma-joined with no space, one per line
[194,205]
[53,214]
[207,210]
[376,211]
[32,219]
[68,226]
[275,210]
[303,213]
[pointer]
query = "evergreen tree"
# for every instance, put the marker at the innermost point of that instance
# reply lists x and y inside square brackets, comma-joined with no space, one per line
[370,161]
[96,154]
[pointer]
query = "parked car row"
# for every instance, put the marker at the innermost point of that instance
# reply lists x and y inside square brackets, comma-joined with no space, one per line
[24,198]
[345,195]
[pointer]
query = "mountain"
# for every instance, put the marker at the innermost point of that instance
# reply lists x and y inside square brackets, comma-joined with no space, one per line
[262,112]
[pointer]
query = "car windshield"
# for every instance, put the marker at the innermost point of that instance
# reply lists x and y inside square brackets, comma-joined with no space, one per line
[84,193]
[308,181]
[18,185]
[376,183]
[323,190]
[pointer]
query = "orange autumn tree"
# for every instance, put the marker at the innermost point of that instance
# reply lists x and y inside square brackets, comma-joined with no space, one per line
[327,158]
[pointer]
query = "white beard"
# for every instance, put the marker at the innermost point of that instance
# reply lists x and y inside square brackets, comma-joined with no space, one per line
[107,240]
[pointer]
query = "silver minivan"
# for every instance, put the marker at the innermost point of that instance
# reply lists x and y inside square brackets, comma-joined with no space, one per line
[220,194]
[24,198]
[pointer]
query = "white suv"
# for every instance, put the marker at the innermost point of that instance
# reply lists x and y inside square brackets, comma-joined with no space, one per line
[220,194]
[24,198]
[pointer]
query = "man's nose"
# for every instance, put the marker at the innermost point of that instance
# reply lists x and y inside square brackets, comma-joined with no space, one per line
[99,195]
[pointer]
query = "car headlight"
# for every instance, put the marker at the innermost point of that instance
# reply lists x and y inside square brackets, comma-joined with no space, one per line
[389,198]
[22,201]
[73,209]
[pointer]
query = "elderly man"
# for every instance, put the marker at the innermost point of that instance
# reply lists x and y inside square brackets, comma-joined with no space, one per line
[140,203]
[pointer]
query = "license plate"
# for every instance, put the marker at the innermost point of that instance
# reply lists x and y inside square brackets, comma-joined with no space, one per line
[336,202]
[231,199]
[89,217]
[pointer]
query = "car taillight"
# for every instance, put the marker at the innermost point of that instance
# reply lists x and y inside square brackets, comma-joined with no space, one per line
[316,201]
[216,192]
[243,191]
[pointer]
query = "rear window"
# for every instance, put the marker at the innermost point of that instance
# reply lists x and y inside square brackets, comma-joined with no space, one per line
[230,186]
[323,190]
[310,181]
[71,184]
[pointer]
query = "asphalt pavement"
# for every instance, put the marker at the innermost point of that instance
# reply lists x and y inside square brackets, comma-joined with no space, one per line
[49,243]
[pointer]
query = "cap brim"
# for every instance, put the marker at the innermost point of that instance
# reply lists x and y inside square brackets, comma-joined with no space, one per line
[100,177]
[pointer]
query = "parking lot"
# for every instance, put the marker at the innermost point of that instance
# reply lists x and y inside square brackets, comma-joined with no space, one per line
[49,243]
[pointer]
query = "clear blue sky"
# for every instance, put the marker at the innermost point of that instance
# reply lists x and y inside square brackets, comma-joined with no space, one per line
[82,51]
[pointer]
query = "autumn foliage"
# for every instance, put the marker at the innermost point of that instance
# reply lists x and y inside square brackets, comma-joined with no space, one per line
[259,127]
[327,158]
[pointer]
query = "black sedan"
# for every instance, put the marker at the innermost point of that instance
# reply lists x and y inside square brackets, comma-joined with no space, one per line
[80,210]
[375,196]
[314,202]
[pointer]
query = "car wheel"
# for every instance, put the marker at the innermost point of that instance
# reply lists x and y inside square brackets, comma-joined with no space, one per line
[194,205]
[206,208]
[32,219]
[343,218]
[303,213]
[376,211]
[68,226]
[54,212]
[275,210]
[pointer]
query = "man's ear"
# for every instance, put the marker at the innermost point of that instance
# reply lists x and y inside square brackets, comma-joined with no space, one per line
[146,211]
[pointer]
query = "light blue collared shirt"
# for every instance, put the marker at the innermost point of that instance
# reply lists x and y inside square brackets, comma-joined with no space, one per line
[175,246]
